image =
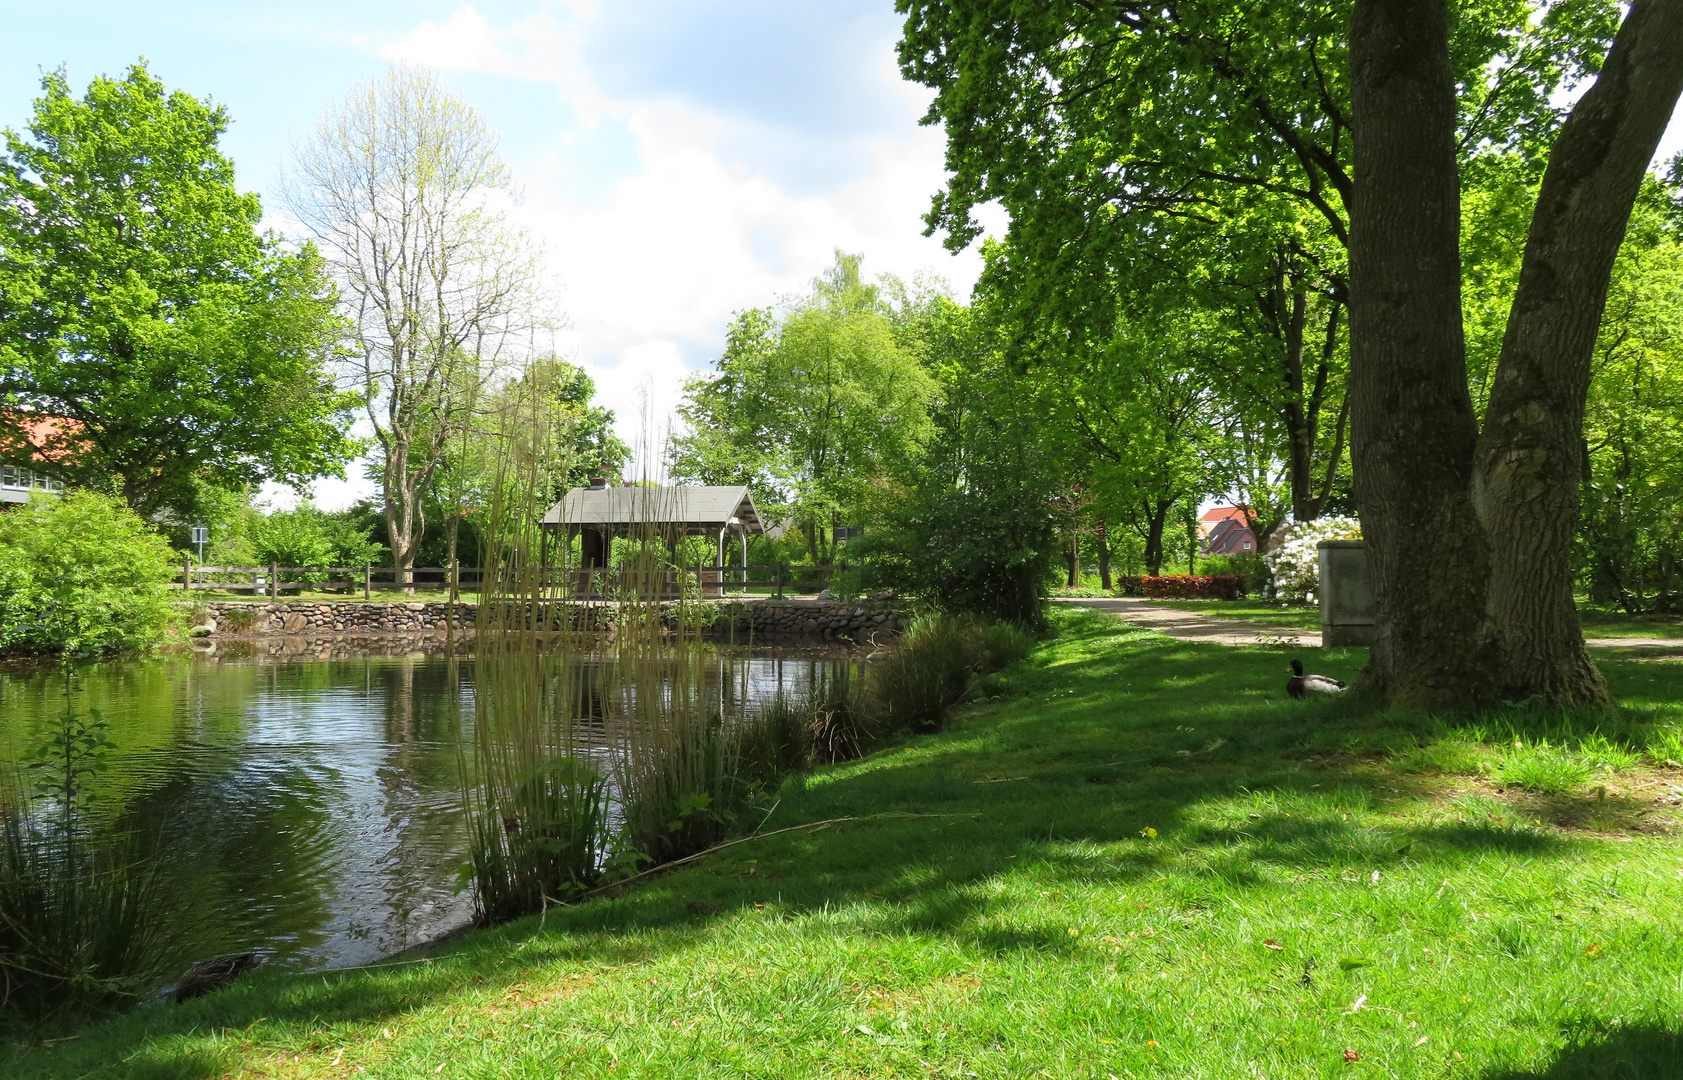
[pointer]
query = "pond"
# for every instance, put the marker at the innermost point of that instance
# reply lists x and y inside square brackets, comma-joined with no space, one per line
[311,808]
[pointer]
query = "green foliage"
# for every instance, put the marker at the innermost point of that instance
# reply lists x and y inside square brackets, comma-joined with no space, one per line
[1549,770]
[80,573]
[1034,892]
[970,528]
[308,536]
[1631,537]
[84,920]
[810,408]
[143,307]
[930,668]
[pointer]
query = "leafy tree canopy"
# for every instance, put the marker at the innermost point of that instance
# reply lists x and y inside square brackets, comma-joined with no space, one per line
[145,312]
[811,405]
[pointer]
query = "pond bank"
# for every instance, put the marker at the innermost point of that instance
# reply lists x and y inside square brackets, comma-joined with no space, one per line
[1139,843]
[758,618]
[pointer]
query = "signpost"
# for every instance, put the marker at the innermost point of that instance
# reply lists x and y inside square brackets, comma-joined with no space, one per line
[201,536]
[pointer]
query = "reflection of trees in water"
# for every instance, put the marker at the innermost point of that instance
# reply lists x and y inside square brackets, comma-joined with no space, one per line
[249,851]
[305,803]
[419,784]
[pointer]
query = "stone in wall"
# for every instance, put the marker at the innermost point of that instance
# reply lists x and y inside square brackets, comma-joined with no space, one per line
[762,619]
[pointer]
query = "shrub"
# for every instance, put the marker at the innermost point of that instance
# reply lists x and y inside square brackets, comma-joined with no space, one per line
[81,573]
[1190,587]
[931,668]
[1296,564]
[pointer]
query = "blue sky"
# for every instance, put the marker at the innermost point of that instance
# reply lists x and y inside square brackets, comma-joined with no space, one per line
[680,160]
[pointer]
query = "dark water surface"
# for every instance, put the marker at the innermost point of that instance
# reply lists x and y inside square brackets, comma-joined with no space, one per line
[309,808]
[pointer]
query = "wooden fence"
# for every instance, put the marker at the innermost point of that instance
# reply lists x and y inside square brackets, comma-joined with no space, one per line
[271,581]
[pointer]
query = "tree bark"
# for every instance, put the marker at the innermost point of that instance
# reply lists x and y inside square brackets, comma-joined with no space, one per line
[1155,516]
[1413,427]
[1072,557]
[1531,453]
[1104,554]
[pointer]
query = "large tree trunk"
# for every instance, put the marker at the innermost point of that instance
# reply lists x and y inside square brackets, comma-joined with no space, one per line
[1413,428]
[1155,516]
[1531,453]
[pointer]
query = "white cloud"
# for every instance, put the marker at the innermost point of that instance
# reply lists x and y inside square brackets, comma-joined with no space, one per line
[697,228]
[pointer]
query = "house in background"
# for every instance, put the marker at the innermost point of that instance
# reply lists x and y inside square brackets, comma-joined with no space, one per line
[17,481]
[1225,532]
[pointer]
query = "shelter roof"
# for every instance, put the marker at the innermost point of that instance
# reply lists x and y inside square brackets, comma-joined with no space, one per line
[693,509]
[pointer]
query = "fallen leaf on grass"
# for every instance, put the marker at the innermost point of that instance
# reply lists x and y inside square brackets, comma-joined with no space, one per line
[1351,1055]
[1351,963]
[1593,950]
[1270,943]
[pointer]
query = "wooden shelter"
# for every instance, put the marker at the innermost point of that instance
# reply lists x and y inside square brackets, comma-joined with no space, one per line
[599,513]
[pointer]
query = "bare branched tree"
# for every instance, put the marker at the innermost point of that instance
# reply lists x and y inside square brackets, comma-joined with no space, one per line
[406,191]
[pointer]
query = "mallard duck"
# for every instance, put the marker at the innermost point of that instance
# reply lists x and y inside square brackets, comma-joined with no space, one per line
[213,974]
[1301,685]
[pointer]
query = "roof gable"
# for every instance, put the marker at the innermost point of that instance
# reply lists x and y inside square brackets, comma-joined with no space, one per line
[692,508]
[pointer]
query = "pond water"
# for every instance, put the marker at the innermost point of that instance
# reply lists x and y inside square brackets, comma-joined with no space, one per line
[310,809]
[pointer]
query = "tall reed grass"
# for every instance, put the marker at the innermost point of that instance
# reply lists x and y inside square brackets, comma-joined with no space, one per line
[597,751]
[84,915]
[602,736]
[931,668]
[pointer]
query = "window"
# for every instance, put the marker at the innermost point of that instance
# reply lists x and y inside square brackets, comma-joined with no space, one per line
[13,476]
[1247,545]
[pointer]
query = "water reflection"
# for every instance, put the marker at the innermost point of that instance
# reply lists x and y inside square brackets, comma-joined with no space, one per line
[310,808]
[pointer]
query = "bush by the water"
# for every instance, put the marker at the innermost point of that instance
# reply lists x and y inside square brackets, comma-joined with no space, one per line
[81,573]
[1186,587]
[930,669]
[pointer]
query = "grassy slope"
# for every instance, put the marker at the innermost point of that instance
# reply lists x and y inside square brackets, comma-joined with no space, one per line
[1111,855]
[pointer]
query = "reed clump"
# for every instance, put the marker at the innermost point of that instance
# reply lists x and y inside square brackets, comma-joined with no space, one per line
[593,752]
[932,667]
[596,753]
[85,921]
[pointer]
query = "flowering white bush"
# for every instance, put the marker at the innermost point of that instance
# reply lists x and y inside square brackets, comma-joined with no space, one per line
[1295,565]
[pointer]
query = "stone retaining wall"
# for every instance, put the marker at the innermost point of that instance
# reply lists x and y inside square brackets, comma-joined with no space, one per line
[810,618]
[304,617]
[761,618]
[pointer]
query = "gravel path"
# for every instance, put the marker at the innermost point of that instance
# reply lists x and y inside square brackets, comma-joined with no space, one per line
[1193,626]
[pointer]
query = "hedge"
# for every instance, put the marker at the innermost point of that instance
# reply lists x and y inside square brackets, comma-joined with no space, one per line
[1186,587]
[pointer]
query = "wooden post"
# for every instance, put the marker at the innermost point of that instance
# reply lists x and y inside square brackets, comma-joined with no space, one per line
[274,580]
[367,581]
[187,575]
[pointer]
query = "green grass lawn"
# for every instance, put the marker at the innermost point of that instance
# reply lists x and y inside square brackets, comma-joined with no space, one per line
[1602,622]
[1144,860]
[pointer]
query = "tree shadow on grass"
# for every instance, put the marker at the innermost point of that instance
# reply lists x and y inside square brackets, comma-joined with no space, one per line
[1645,1052]
[1201,749]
